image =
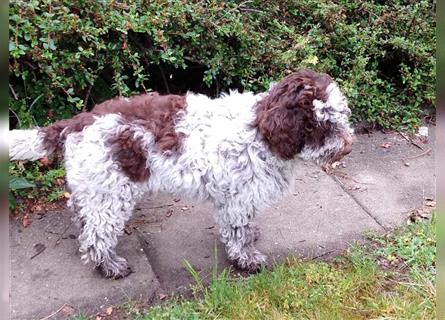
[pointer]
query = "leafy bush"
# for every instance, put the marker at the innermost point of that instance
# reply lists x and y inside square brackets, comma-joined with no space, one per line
[66,56]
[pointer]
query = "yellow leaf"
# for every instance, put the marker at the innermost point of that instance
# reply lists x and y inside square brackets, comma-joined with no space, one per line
[312,60]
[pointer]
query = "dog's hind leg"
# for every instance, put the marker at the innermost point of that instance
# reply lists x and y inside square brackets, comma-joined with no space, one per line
[102,196]
[238,234]
[102,216]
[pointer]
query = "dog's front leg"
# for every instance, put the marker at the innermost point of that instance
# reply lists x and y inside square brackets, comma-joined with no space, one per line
[239,242]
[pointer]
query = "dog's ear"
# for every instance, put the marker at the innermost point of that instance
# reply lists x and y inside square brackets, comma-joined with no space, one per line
[284,116]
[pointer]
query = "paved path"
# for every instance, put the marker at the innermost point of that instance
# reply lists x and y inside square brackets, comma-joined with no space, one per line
[382,180]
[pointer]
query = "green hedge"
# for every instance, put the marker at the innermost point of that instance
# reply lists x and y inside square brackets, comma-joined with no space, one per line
[66,56]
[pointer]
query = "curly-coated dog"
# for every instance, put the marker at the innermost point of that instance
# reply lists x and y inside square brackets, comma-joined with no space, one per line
[237,151]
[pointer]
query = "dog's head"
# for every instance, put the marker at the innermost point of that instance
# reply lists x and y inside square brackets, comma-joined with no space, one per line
[305,114]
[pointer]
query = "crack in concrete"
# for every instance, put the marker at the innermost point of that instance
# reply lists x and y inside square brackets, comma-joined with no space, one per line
[145,245]
[359,203]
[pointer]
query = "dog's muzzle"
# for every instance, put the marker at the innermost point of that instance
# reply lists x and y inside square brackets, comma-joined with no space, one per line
[345,150]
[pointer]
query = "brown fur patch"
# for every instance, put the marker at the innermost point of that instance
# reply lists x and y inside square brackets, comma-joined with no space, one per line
[152,111]
[128,152]
[54,135]
[285,117]
[156,113]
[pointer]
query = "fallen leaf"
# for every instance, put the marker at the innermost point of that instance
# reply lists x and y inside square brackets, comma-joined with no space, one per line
[425,214]
[184,208]
[162,296]
[67,195]
[25,221]
[169,212]
[68,310]
[430,203]
[109,310]
[385,145]
[419,214]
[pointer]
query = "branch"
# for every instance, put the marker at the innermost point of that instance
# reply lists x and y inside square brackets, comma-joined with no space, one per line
[86,98]
[13,92]
[410,140]
[18,119]
[250,10]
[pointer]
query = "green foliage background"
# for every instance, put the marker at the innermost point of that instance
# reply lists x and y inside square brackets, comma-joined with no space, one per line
[66,56]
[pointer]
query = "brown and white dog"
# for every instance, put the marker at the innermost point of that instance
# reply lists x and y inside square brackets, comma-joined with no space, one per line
[237,151]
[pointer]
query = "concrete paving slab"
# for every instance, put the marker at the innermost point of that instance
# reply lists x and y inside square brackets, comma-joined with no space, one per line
[42,283]
[316,219]
[386,175]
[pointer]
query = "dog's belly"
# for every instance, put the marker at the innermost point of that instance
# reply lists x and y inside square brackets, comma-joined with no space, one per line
[221,176]
[184,176]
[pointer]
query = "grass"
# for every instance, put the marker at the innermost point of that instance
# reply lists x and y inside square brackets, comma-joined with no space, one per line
[412,250]
[390,278]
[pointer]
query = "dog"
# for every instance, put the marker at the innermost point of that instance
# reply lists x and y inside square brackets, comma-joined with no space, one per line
[237,151]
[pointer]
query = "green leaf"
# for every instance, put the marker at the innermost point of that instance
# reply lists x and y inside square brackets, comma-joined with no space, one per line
[16,183]
[52,45]
[12,46]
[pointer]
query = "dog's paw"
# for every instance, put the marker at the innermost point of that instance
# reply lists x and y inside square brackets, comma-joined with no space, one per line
[252,262]
[115,270]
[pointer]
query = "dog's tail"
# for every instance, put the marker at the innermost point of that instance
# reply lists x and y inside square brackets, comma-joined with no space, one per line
[26,145]
[34,144]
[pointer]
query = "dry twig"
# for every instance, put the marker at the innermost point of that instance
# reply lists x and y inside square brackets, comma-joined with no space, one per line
[406,163]
[410,140]
[54,313]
